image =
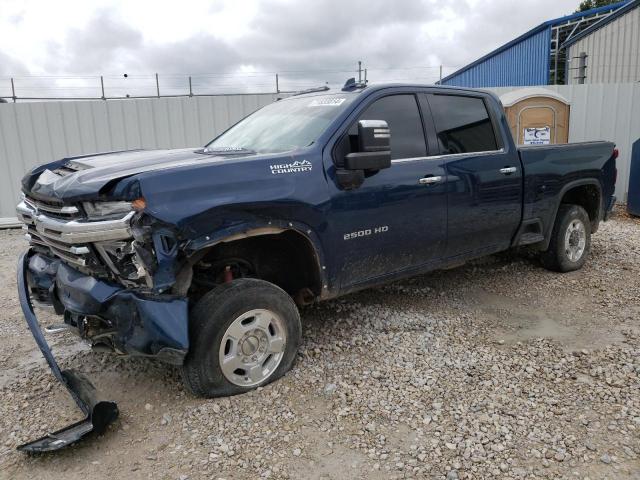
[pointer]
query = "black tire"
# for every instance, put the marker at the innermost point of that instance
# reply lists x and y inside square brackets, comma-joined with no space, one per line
[556,257]
[214,313]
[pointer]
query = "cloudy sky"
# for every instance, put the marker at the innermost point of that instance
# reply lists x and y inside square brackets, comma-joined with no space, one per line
[61,47]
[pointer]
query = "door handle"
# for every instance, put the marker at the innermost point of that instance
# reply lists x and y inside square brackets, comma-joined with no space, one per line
[430,180]
[508,170]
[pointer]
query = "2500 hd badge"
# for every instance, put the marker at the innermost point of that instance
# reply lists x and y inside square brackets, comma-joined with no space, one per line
[366,233]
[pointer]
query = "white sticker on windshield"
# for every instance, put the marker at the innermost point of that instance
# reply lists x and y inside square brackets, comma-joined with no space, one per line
[327,102]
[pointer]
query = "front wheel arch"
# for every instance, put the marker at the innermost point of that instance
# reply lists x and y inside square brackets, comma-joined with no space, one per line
[285,257]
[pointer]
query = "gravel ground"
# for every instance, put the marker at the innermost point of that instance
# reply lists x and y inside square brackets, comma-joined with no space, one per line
[498,369]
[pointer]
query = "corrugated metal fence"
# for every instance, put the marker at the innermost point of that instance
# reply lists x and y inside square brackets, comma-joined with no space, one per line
[35,133]
[603,112]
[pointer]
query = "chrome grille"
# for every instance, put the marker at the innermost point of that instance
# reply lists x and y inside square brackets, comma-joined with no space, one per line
[53,209]
[62,231]
[75,254]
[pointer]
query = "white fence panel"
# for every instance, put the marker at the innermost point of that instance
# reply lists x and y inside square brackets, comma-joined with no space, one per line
[603,112]
[36,133]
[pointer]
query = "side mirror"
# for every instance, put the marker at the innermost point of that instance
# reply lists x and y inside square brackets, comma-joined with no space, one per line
[374,147]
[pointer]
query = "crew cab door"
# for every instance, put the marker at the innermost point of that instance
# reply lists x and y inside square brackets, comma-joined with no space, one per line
[484,175]
[395,220]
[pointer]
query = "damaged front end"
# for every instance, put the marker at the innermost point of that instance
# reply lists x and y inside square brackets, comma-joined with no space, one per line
[110,316]
[108,270]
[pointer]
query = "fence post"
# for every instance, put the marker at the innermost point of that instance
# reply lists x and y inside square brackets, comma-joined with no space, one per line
[277,84]
[102,87]
[157,85]
[190,87]
[13,90]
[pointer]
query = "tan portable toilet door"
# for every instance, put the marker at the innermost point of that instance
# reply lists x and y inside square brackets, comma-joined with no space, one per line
[542,123]
[537,118]
[537,125]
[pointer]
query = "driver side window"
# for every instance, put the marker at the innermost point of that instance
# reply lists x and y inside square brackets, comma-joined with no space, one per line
[403,117]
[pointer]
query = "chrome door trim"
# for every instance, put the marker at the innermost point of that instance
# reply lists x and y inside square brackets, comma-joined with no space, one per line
[449,156]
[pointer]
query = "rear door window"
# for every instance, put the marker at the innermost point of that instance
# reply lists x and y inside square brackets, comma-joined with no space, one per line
[462,124]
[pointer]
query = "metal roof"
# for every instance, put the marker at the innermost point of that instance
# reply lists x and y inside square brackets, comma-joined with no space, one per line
[543,26]
[596,26]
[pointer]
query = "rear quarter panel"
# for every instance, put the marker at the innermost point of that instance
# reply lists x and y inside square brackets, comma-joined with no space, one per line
[551,171]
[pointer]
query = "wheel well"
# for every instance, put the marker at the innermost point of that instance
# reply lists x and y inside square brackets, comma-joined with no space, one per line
[588,197]
[286,259]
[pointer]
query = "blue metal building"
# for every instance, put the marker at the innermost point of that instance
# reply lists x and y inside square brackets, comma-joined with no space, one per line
[536,57]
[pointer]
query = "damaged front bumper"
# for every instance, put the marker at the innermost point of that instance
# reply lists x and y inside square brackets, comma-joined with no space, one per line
[105,314]
[109,315]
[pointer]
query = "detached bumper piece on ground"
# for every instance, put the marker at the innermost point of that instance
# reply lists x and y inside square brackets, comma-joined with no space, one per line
[99,413]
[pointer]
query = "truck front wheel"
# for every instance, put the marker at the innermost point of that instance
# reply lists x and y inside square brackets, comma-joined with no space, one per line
[570,240]
[244,334]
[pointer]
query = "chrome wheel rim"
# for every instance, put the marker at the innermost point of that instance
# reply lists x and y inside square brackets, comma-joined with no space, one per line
[575,240]
[252,347]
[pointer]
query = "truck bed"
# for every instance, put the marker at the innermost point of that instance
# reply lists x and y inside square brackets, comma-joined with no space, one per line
[551,170]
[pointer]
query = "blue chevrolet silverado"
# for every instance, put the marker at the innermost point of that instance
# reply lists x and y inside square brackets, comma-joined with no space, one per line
[201,257]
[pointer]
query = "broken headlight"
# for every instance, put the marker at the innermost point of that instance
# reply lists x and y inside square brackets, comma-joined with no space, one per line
[101,210]
[105,210]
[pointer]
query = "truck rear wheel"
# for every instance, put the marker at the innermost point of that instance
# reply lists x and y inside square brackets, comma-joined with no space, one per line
[244,334]
[570,240]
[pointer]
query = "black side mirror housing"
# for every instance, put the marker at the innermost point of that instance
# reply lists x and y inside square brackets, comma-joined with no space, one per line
[374,147]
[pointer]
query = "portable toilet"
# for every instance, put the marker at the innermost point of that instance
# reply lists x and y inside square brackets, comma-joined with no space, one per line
[537,116]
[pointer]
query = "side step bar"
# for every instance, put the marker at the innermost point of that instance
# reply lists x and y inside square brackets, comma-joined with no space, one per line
[98,413]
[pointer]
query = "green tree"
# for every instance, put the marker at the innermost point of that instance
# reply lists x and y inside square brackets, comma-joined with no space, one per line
[589,4]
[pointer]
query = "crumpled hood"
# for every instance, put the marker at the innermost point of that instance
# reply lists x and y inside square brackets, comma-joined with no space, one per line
[78,178]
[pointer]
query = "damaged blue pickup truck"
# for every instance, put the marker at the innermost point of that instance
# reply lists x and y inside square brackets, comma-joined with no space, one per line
[201,257]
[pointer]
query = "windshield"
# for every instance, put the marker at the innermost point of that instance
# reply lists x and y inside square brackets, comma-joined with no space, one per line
[282,126]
